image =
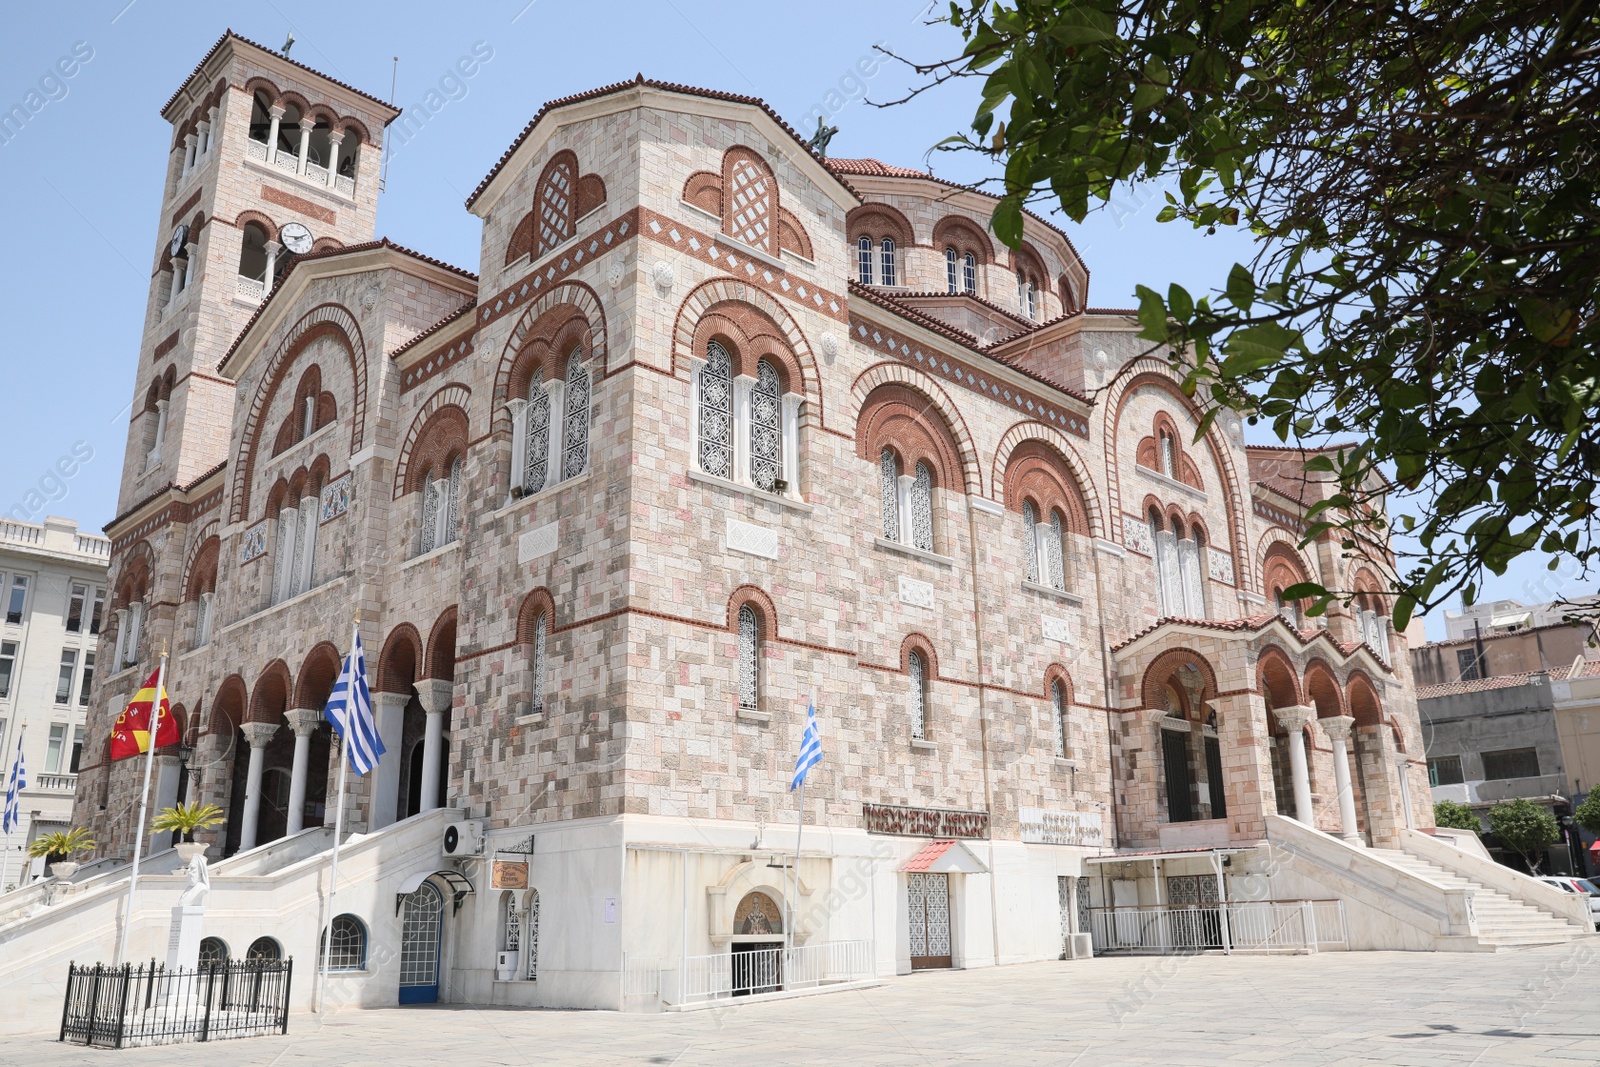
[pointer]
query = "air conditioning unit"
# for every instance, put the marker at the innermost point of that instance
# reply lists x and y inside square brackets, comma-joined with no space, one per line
[1079,947]
[463,839]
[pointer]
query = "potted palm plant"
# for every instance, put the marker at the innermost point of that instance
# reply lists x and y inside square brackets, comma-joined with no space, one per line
[63,843]
[186,819]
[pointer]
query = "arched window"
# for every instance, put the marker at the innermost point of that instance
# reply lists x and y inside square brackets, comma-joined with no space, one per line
[213,952]
[1192,558]
[452,503]
[536,662]
[1053,555]
[886,261]
[1167,466]
[510,923]
[749,659]
[1289,609]
[431,493]
[1058,709]
[917,671]
[950,269]
[716,412]
[264,948]
[1030,539]
[345,945]
[889,489]
[536,439]
[922,509]
[1168,586]
[530,936]
[766,428]
[1022,292]
[864,259]
[575,431]
[969,273]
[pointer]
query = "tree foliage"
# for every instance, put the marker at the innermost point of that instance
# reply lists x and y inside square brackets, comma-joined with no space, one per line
[1420,182]
[1453,815]
[61,843]
[1587,814]
[187,818]
[1525,828]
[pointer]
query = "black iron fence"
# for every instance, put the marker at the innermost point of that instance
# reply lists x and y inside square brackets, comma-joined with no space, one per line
[150,1004]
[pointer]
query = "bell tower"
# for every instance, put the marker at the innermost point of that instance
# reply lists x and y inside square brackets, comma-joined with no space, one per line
[269,160]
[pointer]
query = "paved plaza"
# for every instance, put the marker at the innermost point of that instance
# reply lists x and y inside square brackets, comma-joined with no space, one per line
[1336,1009]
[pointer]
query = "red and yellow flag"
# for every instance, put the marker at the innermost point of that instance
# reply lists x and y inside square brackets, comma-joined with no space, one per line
[131,734]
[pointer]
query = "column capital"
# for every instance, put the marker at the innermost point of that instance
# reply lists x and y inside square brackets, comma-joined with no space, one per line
[1155,716]
[167,761]
[1295,716]
[303,721]
[276,111]
[1338,727]
[259,733]
[435,694]
[390,701]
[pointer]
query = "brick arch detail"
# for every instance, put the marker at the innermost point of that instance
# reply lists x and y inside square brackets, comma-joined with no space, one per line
[1148,370]
[919,641]
[1054,673]
[548,344]
[964,235]
[568,292]
[537,602]
[749,337]
[230,706]
[1369,591]
[402,639]
[318,671]
[1363,699]
[1323,691]
[1271,539]
[324,320]
[1148,452]
[878,221]
[703,189]
[1281,567]
[766,611]
[438,426]
[137,562]
[735,157]
[273,682]
[250,215]
[724,290]
[1275,671]
[197,542]
[934,396]
[251,85]
[433,664]
[207,554]
[1039,435]
[1162,667]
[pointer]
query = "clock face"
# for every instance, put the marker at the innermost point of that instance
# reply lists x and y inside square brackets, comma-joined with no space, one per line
[180,237]
[296,238]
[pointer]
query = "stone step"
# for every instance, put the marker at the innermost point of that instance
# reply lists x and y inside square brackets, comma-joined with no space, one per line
[1503,920]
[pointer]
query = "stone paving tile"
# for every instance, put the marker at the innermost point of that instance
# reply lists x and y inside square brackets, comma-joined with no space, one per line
[1333,1010]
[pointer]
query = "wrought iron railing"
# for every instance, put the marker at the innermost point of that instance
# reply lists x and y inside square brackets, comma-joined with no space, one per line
[1237,926]
[127,1006]
[768,970]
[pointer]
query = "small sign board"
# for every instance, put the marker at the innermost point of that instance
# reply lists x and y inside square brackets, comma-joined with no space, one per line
[509,874]
[1041,827]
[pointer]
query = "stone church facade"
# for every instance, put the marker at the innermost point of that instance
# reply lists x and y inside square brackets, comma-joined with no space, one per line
[717,427]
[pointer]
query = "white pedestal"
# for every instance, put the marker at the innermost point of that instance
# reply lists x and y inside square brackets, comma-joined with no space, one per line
[183,944]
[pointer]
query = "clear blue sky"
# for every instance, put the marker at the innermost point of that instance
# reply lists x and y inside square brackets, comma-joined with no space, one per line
[82,179]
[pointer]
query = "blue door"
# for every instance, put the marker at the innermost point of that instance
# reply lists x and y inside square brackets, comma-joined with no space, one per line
[421,925]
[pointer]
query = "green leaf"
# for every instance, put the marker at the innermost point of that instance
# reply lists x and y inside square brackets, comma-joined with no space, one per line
[1152,315]
[1241,287]
[1007,221]
[1181,304]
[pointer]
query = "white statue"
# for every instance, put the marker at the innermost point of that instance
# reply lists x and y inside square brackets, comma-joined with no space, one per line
[199,885]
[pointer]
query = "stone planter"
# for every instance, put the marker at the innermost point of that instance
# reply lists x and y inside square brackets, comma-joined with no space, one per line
[188,850]
[63,870]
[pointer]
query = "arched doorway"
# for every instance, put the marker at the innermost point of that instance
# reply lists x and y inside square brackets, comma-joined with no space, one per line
[1181,684]
[757,945]
[421,931]
[1279,690]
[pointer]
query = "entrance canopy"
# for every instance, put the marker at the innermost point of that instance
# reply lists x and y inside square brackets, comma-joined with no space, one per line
[945,857]
[460,885]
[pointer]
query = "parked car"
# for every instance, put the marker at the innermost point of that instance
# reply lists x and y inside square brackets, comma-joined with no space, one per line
[1569,884]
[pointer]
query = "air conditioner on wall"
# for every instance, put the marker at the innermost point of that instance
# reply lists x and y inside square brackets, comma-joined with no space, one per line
[462,839]
[1079,947]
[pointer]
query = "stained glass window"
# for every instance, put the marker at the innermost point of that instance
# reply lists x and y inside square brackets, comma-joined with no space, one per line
[716,412]
[1030,539]
[1058,573]
[886,261]
[766,428]
[922,509]
[575,432]
[919,695]
[536,440]
[430,514]
[749,659]
[537,663]
[890,490]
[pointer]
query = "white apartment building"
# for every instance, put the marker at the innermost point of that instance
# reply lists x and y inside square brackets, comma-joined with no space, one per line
[53,599]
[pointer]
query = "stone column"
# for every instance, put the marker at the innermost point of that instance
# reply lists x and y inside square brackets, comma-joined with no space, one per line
[335,138]
[1338,729]
[276,111]
[436,696]
[389,709]
[517,408]
[305,144]
[304,722]
[1295,719]
[1152,769]
[1405,791]
[1246,763]
[742,385]
[191,256]
[257,734]
[167,774]
[272,248]
[189,153]
[791,442]
[557,391]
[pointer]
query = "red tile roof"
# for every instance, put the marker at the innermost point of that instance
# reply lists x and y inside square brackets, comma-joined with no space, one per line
[638,81]
[925,859]
[394,112]
[1475,685]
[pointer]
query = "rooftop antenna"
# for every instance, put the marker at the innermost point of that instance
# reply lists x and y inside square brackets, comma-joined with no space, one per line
[288,44]
[394,75]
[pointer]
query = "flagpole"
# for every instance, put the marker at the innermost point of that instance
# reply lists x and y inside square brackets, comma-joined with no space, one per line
[338,832]
[11,783]
[154,724]
[800,829]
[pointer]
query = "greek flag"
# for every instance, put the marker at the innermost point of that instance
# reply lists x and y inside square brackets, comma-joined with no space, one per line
[351,699]
[810,747]
[19,782]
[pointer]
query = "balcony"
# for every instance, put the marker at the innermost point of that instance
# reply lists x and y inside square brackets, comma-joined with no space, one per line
[289,163]
[250,289]
[55,784]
